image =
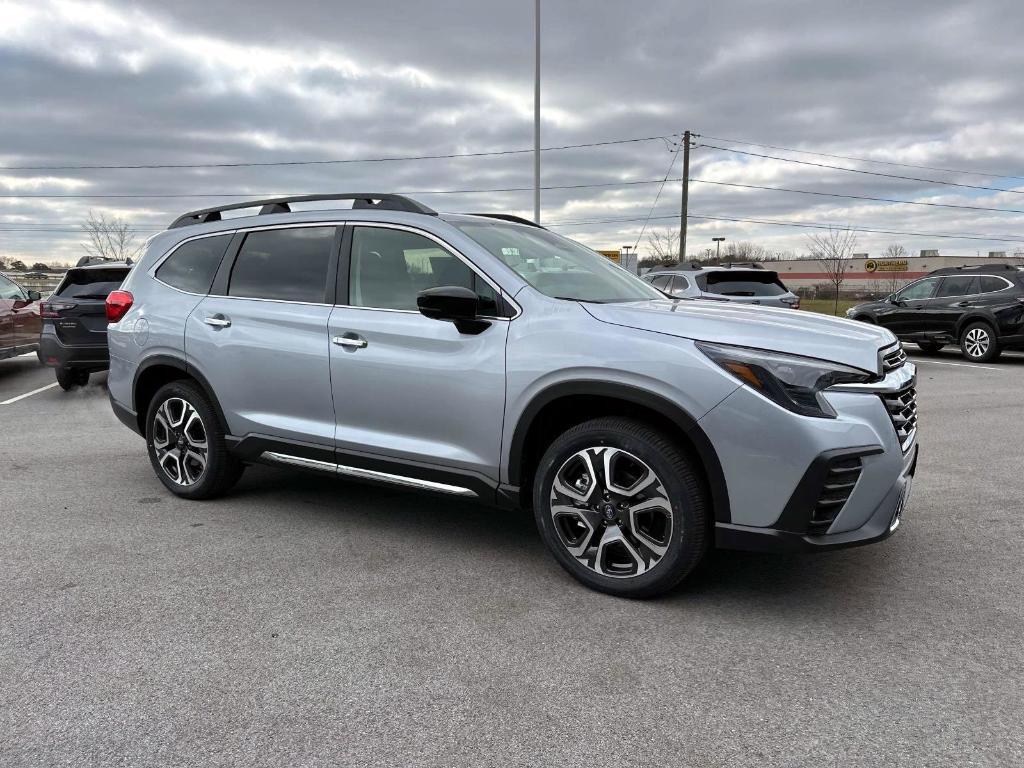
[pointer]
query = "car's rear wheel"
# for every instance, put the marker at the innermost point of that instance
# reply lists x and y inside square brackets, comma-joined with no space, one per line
[621,507]
[69,378]
[931,347]
[978,343]
[186,443]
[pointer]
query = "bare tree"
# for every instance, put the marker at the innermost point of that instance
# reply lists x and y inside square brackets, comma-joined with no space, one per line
[663,246]
[834,250]
[895,278]
[110,238]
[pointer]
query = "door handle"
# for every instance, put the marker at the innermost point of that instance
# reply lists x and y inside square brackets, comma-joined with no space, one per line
[963,304]
[217,321]
[349,341]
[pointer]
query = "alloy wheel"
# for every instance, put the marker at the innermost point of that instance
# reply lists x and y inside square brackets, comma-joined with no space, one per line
[977,342]
[611,512]
[180,441]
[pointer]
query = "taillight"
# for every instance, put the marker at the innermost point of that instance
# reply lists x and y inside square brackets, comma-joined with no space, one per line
[118,303]
[54,308]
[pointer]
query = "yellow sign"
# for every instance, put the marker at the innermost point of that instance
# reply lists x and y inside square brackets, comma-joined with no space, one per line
[886,265]
[611,255]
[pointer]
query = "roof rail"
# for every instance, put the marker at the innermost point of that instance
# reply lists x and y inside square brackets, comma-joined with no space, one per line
[382,201]
[508,217]
[980,268]
[740,264]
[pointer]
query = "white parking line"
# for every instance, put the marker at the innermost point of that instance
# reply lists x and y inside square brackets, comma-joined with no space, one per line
[29,394]
[920,360]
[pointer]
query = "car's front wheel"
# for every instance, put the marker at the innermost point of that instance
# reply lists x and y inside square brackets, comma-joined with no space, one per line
[978,343]
[621,507]
[186,443]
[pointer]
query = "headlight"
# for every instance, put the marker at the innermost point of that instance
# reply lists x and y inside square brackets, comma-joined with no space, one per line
[791,381]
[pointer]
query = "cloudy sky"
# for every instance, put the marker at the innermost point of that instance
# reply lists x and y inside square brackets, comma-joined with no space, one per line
[918,82]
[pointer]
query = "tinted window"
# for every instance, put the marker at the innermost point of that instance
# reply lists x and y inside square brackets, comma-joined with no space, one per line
[661,282]
[744,284]
[679,285]
[91,283]
[9,290]
[192,266]
[390,266]
[958,285]
[283,264]
[921,290]
[557,266]
[991,284]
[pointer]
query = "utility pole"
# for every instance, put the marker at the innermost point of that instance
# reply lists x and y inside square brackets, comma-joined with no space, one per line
[684,209]
[536,111]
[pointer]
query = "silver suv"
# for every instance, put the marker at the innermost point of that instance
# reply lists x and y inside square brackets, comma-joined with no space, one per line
[484,357]
[743,283]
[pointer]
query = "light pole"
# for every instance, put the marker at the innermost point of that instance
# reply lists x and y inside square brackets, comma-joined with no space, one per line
[718,246]
[536,111]
[625,253]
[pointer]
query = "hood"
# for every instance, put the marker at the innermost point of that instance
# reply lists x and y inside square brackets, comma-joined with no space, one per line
[789,331]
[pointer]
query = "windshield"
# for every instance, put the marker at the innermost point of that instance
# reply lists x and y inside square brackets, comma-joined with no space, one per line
[744,284]
[557,266]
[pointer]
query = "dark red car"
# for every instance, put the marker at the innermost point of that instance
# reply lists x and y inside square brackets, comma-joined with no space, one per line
[19,319]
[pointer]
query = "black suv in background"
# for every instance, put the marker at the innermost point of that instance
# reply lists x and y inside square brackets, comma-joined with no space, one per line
[74,333]
[981,308]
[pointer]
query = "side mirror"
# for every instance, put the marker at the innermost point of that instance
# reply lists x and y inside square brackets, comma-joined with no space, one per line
[35,296]
[452,303]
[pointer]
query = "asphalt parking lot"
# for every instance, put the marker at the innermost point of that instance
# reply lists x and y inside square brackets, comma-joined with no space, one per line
[304,621]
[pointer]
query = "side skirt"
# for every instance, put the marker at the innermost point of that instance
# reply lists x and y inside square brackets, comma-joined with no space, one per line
[370,468]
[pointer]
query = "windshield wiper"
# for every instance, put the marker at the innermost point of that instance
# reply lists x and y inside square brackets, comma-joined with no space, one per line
[573,298]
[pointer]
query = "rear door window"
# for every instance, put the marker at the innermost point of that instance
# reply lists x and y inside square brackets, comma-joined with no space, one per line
[679,285]
[91,283]
[283,264]
[726,283]
[661,282]
[958,285]
[192,266]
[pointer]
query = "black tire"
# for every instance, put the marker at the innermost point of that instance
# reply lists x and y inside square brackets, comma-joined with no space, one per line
[68,379]
[978,343]
[931,347]
[167,434]
[677,481]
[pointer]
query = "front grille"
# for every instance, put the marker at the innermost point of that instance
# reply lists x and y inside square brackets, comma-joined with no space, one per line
[902,408]
[840,478]
[893,359]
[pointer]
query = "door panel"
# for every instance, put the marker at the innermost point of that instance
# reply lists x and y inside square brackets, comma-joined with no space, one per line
[908,314]
[419,389]
[27,322]
[6,325]
[956,295]
[268,363]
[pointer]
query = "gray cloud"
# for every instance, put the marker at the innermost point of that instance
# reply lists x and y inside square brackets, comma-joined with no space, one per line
[919,82]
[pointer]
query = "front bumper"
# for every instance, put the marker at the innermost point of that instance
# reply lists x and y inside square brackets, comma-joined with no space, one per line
[781,468]
[881,525]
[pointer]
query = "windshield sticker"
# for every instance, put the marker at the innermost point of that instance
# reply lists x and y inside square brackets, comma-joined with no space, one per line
[509,251]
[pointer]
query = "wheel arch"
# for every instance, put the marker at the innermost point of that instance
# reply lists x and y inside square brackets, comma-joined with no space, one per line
[158,370]
[976,317]
[563,405]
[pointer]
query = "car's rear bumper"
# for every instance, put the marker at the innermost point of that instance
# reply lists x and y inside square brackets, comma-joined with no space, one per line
[54,353]
[883,523]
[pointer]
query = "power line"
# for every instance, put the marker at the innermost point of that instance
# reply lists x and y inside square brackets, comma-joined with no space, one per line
[657,197]
[866,173]
[867,159]
[387,159]
[804,225]
[859,197]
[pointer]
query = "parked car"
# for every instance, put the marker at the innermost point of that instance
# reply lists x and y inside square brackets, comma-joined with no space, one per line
[744,283]
[73,339]
[393,344]
[19,319]
[979,307]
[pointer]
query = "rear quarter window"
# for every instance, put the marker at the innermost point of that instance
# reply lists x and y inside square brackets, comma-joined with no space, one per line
[194,264]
